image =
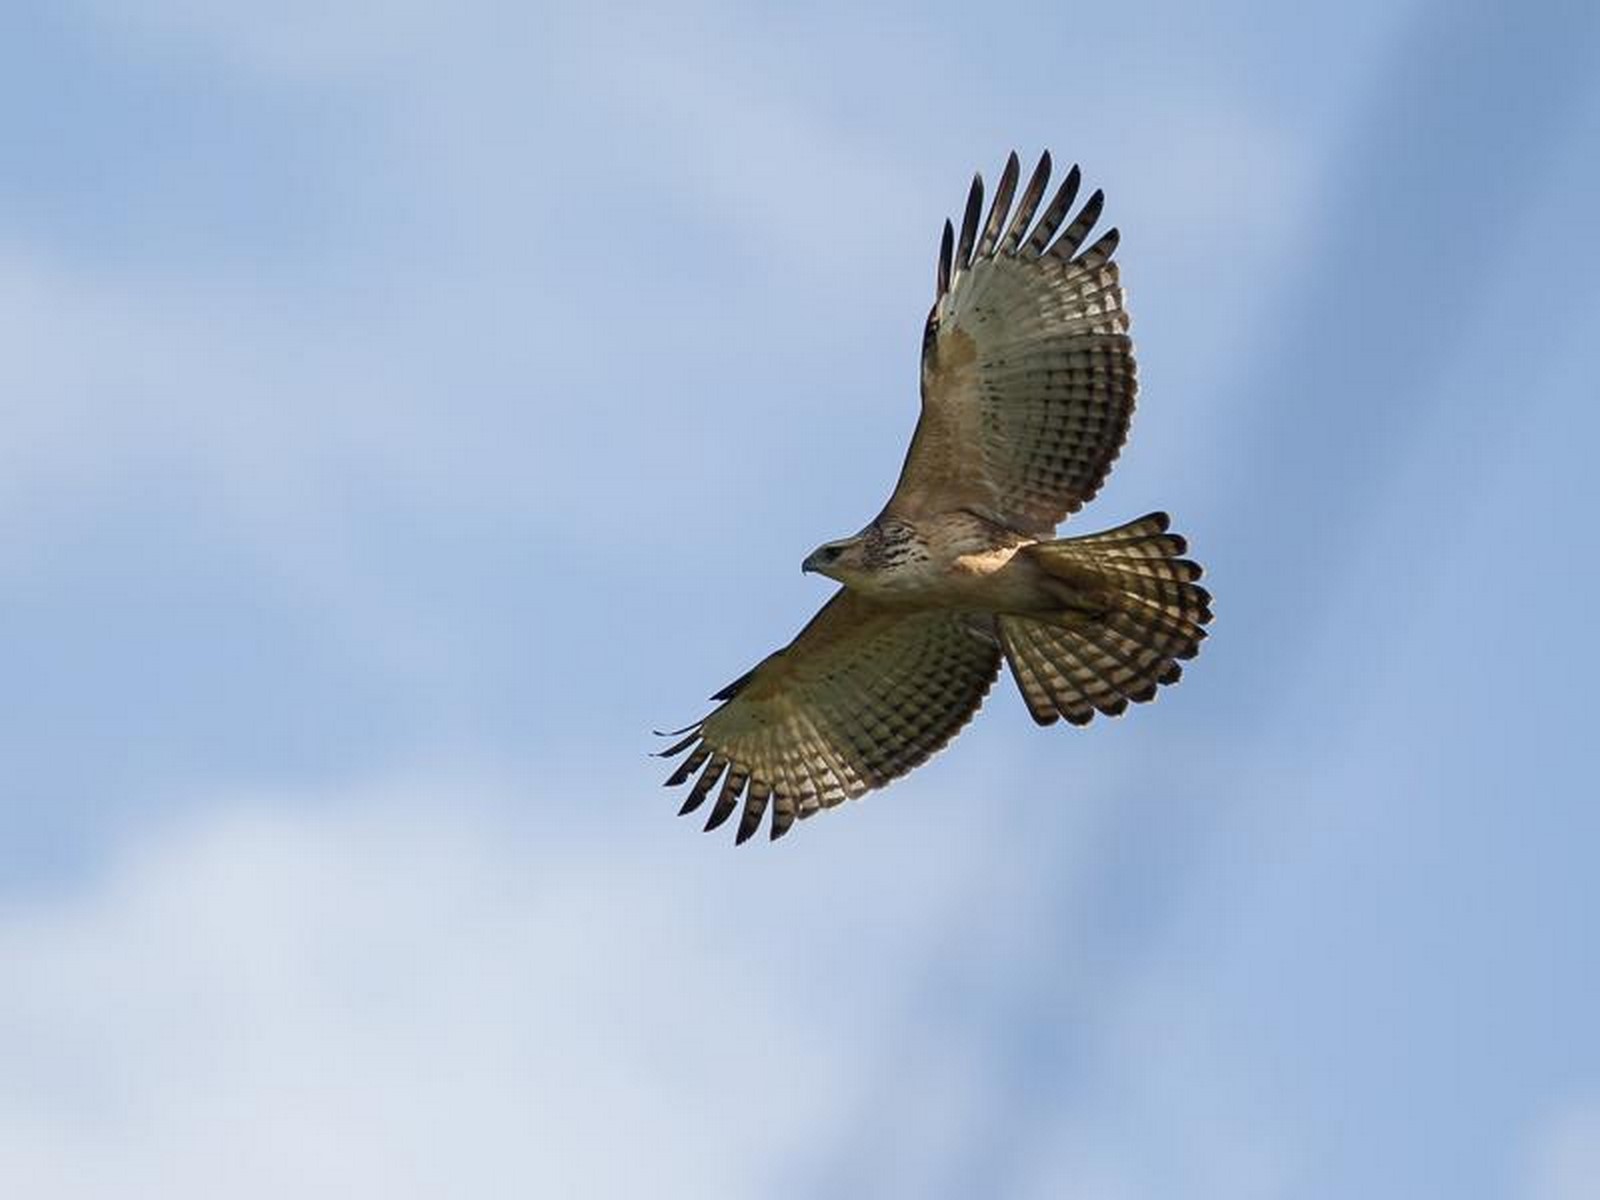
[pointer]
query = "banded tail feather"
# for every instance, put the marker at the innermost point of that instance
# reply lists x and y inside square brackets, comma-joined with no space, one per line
[1143,612]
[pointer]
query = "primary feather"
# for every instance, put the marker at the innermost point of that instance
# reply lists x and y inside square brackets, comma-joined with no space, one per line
[1028,386]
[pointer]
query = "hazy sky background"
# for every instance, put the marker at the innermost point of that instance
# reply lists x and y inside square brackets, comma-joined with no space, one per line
[404,409]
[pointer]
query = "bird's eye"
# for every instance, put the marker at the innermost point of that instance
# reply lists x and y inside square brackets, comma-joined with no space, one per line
[831,553]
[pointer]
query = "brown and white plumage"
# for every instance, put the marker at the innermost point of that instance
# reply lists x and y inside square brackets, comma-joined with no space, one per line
[1028,385]
[1028,377]
[861,696]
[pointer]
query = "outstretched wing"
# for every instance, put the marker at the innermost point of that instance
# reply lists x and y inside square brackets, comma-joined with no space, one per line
[1027,367]
[861,696]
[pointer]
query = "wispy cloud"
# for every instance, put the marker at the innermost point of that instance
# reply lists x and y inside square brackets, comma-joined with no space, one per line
[366,991]
[428,390]
[406,985]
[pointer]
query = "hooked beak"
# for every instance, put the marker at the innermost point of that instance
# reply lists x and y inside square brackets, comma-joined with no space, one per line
[820,559]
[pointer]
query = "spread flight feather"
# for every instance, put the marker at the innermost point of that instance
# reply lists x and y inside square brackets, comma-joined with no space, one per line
[1028,385]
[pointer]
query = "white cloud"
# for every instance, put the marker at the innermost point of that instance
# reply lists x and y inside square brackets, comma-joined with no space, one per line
[431,984]
[398,989]
[374,998]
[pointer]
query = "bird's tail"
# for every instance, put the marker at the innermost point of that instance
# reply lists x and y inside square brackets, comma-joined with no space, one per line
[1136,611]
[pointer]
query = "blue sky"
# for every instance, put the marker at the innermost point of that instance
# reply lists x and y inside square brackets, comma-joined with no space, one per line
[407,409]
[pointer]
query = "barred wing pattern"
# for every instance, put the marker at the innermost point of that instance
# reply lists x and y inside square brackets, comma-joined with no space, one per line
[1028,376]
[860,697]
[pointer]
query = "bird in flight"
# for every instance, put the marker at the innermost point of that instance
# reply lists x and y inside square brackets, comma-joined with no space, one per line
[1028,385]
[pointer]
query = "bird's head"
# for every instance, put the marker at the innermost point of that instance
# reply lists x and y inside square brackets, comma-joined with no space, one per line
[837,560]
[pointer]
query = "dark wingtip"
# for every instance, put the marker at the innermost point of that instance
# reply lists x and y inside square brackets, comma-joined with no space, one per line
[969,223]
[676,732]
[678,747]
[1097,255]
[734,688]
[999,208]
[1027,206]
[1056,212]
[1072,181]
[708,780]
[688,766]
[947,248]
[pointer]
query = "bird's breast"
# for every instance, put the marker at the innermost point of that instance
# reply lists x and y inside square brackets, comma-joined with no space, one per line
[959,563]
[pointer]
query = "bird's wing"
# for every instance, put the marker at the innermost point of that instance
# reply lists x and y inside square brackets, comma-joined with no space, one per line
[1027,367]
[862,695]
